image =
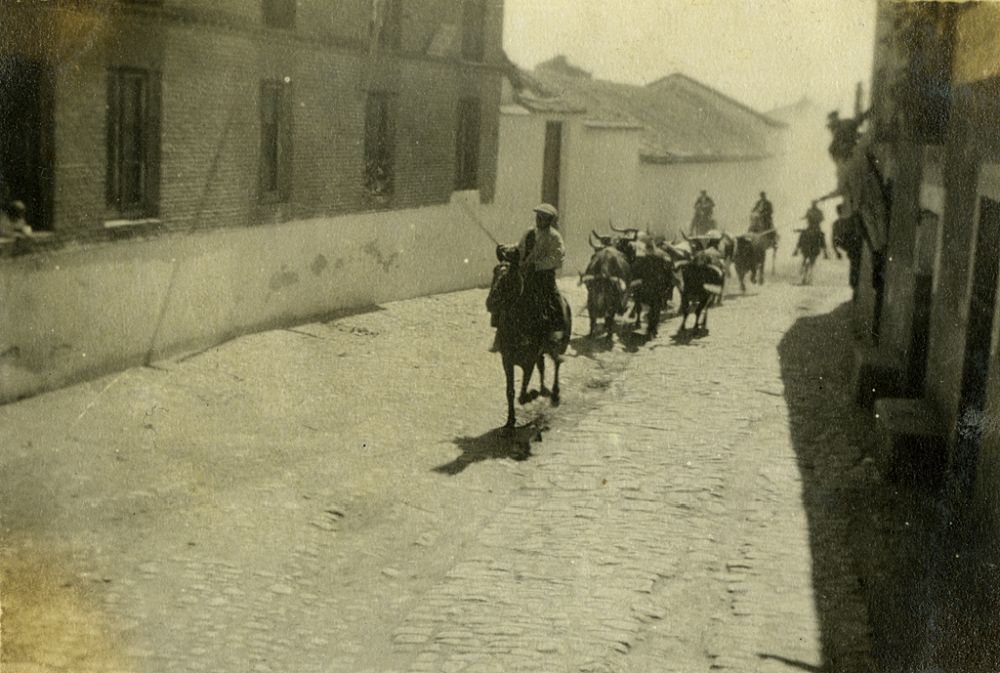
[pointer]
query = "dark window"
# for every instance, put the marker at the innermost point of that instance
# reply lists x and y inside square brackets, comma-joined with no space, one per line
[275,140]
[467,145]
[387,23]
[133,142]
[552,163]
[379,150]
[473,24]
[279,13]
[26,137]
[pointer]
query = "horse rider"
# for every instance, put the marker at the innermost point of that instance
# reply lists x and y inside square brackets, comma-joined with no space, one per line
[703,210]
[762,215]
[542,253]
[811,239]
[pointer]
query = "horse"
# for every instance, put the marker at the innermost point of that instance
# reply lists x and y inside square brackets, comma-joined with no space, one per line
[520,343]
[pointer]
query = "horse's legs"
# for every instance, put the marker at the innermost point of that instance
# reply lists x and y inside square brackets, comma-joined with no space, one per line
[555,386]
[609,325]
[593,325]
[508,370]
[542,390]
[526,373]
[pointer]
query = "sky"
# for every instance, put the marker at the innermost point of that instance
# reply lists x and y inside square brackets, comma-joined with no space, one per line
[765,53]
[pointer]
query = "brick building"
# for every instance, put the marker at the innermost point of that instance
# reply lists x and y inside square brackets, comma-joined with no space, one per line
[244,112]
[199,170]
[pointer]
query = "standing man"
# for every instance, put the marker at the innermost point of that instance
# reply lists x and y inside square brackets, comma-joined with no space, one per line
[542,255]
[762,215]
[847,236]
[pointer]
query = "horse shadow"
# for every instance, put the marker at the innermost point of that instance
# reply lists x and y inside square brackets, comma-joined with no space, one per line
[591,346]
[497,444]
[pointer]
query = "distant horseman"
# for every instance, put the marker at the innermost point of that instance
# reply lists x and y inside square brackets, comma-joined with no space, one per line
[704,208]
[762,215]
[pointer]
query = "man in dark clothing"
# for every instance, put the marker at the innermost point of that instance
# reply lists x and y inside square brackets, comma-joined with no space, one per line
[703,210]
[812,241]
[845,134]
[848,236]
[762,215]
[704,205]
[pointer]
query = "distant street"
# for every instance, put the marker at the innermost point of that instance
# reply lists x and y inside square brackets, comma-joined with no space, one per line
[335,497]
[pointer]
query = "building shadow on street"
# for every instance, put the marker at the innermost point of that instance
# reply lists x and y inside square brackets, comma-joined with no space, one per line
[497,444]
[898,587]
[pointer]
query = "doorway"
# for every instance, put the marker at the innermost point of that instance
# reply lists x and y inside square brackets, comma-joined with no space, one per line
[552,163]
[26,166]
[979,334]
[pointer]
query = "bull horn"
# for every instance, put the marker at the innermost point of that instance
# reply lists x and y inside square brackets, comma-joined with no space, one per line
[614,228]
[590,239]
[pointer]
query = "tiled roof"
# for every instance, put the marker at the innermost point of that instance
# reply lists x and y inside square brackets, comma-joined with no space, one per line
[683,120]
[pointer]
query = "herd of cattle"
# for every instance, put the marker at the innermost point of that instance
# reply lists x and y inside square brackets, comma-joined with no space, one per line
[624,268]
[647,272]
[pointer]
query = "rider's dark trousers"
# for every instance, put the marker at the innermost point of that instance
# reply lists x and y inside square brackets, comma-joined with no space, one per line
[540,288]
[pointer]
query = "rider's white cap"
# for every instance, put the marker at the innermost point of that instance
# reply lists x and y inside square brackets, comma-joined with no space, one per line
[546,209]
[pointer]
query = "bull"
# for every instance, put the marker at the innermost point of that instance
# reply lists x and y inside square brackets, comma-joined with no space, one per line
[652,285]
[719,248]
[607,277]
[751,254]
[697,276]
[520,342]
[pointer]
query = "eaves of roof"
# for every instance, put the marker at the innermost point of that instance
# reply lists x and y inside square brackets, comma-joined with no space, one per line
[651,158]
[553,105]
[623,126]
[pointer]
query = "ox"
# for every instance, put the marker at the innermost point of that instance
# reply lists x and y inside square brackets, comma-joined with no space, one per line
[520,344]
[719,248]
[607,277]
[652,285]
[751,253]
[696,276]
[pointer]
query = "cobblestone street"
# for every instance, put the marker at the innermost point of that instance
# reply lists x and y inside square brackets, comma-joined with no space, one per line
[336,497]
